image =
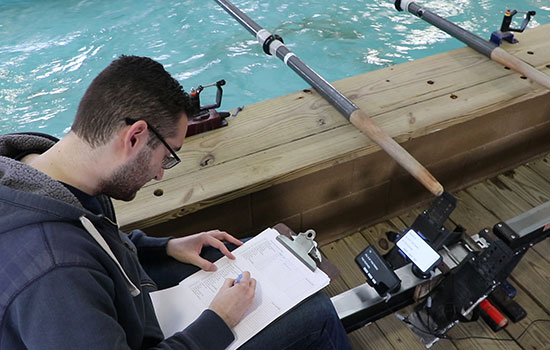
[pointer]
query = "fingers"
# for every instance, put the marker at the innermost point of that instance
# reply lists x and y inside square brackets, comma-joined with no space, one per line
[188,249]
[252,289]
[247,282]
[227,237]
[224,236]
[203,263]
[228,283]
[216,243]
[234,299]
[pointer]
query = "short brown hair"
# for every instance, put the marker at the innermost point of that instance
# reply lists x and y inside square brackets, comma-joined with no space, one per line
[132,87]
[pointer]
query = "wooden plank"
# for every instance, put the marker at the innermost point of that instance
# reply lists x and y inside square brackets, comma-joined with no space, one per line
[477,335]
[376,236]
[471,214]
[498,199]
[401,337]
[301,114]
[409,217]
[537,335]
[342,255]
[541,166]
[338,254]
[533,275]
[527,184]
[369,337]
[255,171]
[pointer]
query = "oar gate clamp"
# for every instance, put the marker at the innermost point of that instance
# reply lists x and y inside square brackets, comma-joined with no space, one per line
[505,32]
[267,41]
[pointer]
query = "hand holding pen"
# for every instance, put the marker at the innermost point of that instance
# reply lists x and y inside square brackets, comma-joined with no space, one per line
[238,279]
[234,298]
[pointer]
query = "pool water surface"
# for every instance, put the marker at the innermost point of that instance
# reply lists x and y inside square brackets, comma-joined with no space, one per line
[51,50]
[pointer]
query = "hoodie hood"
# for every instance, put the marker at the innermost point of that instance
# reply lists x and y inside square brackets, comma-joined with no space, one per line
[27,195]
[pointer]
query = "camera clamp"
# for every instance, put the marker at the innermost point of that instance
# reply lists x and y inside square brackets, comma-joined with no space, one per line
[205,118]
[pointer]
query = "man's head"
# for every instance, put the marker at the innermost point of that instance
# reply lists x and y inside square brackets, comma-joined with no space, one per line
[131,87]
[136,108]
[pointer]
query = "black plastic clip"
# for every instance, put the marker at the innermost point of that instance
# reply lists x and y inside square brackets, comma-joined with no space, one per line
[397,5]
[269,40]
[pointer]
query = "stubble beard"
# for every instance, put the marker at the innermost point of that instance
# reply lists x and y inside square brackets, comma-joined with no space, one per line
[129,178]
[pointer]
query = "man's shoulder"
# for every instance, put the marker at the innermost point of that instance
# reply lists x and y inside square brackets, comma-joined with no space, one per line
[31,251]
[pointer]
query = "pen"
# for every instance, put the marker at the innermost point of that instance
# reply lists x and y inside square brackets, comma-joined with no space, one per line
[239,277]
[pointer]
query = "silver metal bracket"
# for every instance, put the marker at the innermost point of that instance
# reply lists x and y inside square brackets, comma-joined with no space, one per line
[304,247]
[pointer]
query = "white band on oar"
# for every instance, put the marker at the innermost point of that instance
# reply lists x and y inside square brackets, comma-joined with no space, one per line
[262,35]
[274,46]
[287,56]
[405,4]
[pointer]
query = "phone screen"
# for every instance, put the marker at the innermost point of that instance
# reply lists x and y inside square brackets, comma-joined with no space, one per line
[418,251]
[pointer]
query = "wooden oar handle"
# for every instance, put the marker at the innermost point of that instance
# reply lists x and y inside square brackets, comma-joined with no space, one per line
[398,153]
[522,67]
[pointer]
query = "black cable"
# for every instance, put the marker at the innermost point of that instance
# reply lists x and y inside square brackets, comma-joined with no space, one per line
[444,336]
[530,324]
[521,334]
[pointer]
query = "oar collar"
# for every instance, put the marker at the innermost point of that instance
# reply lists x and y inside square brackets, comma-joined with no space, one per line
[402,5]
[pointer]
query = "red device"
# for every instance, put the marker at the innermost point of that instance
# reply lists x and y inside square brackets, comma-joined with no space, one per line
[494,318]
[205,118]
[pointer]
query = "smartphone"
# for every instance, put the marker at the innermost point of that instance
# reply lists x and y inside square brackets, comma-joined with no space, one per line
[418,251]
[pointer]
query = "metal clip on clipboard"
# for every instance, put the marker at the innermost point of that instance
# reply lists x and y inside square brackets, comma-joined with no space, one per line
[304,247]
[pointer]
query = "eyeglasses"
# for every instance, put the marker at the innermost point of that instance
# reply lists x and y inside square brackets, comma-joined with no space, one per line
[169,161]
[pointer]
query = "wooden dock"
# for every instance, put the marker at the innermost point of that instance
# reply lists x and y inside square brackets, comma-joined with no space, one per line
[481,205]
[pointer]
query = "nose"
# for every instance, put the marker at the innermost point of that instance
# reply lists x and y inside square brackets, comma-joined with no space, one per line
[159,175]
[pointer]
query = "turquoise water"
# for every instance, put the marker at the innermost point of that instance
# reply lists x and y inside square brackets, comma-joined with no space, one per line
[51,50]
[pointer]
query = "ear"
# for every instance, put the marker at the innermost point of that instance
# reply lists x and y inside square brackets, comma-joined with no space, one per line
[134,138]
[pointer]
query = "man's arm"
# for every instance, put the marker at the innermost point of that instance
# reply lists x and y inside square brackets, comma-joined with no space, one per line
[74,308]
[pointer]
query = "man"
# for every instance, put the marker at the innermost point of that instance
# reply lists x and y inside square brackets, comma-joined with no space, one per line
[69,279]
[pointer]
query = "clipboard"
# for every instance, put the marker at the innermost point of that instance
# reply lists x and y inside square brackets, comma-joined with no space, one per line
[283,282]
[304,247]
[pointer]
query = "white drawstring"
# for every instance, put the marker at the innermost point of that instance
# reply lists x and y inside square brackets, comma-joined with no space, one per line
[101,241]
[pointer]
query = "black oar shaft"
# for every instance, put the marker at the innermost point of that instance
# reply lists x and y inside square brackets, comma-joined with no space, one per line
[475,42]
[240,16]
[325,89]
[277,48]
